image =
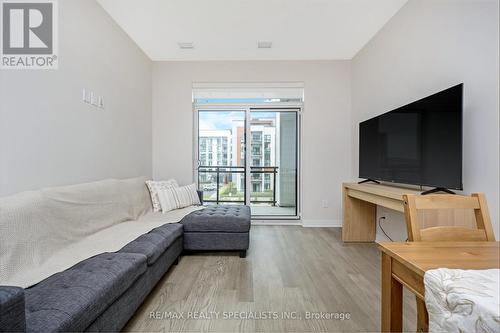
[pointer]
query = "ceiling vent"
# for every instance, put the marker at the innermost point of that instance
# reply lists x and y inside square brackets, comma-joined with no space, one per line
[185,45]
[264,44]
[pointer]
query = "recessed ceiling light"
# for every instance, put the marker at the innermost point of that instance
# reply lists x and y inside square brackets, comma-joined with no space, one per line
[264,44]
[186,45]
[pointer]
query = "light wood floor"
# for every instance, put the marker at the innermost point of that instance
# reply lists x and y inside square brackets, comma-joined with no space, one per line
[289,270]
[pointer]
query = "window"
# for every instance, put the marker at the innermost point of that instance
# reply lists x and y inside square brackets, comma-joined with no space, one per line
[267,158]
[256,149]
[267,180]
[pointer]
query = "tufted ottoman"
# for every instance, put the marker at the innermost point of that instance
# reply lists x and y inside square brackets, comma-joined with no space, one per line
[218,228]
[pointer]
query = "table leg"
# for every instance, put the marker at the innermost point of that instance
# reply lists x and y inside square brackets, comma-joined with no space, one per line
[392,298]
[358,220]
[422,316]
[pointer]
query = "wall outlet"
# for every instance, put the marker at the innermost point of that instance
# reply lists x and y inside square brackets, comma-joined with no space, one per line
[324,203]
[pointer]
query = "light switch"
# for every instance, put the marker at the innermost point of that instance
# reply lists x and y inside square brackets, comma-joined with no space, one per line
[93,98]
[85,95]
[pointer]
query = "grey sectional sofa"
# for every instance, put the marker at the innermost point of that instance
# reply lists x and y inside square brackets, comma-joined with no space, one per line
[218,228]
[102,293]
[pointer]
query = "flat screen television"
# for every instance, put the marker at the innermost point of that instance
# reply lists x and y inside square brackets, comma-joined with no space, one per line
[419,143]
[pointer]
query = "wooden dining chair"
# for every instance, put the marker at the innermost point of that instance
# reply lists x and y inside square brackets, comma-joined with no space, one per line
[482,232]
[476,202]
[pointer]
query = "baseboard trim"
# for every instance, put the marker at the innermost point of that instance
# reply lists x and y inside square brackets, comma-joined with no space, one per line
[322,223]
[304,223]
[276,222]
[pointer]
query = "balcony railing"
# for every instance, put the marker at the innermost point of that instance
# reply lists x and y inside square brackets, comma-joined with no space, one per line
[227,184]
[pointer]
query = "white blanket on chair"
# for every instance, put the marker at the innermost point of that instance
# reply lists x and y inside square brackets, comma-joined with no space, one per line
[463,300]
[47,231]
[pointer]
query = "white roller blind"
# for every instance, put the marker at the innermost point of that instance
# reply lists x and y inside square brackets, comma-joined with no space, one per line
[221,91]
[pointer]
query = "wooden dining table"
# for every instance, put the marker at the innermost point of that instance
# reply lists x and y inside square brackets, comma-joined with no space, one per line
[405,263]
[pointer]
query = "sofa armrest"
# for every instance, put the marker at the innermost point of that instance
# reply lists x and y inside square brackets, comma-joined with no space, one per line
[200,195]
[12,311]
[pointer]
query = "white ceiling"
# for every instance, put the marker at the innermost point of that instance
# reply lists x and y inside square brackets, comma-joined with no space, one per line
[230,29]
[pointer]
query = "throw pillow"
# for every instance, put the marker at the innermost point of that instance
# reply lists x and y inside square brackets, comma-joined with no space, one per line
[178,197]
[156,186]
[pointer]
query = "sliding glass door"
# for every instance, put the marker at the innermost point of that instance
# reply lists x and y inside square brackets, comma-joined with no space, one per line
[273,162]
[264,176]
[221,156]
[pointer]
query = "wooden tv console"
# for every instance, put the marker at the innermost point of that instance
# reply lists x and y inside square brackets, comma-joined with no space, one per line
[360,203]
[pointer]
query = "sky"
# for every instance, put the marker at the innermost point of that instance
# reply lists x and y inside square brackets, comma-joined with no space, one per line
[220,120]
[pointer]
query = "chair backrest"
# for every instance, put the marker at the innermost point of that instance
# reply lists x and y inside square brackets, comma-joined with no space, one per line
[476,202]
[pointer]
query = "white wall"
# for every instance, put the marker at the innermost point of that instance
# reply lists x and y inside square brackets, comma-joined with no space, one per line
[430,45]
[48,136]
[326,123]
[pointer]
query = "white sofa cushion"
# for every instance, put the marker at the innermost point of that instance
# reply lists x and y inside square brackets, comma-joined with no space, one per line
[156,186]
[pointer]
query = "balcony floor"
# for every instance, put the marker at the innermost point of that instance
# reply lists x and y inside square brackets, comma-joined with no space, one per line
[263,210]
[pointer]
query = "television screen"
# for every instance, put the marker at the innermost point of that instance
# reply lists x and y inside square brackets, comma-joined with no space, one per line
[419,143]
